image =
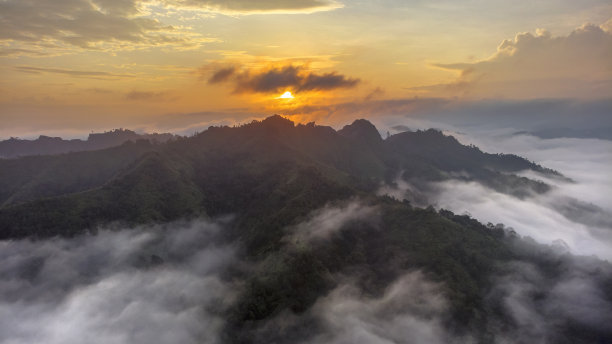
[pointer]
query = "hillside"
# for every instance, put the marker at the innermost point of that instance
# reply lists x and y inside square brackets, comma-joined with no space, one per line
[300,205]
[278,162]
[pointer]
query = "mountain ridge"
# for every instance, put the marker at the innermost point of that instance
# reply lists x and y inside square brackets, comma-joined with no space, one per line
[266,155]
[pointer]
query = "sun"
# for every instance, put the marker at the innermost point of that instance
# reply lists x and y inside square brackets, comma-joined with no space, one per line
[286,95]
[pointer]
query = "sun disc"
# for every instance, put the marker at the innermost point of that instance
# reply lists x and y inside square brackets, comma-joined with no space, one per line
[286,95]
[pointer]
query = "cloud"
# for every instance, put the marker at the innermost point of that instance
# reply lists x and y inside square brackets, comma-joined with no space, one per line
[222,75]
[586,117]
[32,28]
[147,95]
[411,310]
[324,222]
[540,65]
[70,72]
[246,7]
[159,284]
[11,52]
[277,79]
[544,309]
[101,24]
[579,213]
[537,217]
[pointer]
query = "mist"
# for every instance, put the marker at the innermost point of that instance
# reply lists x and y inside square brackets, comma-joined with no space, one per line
[577,211]
[545,296]
[159,284]
[411,310]
[324,222]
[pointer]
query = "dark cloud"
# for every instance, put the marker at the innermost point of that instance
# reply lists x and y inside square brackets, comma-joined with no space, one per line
[326,82]
[222,75]
[269,81]
[275,80]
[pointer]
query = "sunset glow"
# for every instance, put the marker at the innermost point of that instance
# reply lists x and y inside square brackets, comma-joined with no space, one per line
[155,64]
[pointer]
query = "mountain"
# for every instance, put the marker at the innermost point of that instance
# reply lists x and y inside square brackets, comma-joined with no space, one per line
[274,177]
[275,160]
[44,145]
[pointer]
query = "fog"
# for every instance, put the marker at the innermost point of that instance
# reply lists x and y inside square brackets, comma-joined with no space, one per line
[172,283]
[547,298]
[544,309]
[579,212]
[412,310]
[160,284]
[324,222]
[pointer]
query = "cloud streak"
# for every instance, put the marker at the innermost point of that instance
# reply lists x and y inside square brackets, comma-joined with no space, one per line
[249,7]
[70,72]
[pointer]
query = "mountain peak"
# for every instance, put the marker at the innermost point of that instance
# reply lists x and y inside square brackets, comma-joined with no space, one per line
[361,129]
[278,121]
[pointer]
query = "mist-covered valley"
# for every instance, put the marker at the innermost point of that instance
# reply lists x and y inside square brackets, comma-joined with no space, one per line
[291,233]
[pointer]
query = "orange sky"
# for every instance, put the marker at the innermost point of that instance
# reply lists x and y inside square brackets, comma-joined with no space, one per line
[80,65]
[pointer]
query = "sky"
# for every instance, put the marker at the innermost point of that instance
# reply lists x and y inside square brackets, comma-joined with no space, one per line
[73,66]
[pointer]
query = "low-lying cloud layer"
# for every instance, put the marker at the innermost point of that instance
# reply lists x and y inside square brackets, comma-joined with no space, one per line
[548,298]
[578,212]
[144,285]
[280,79]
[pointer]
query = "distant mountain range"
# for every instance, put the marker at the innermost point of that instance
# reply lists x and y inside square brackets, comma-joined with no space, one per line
[271,176]
[604,133]
[44,145]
